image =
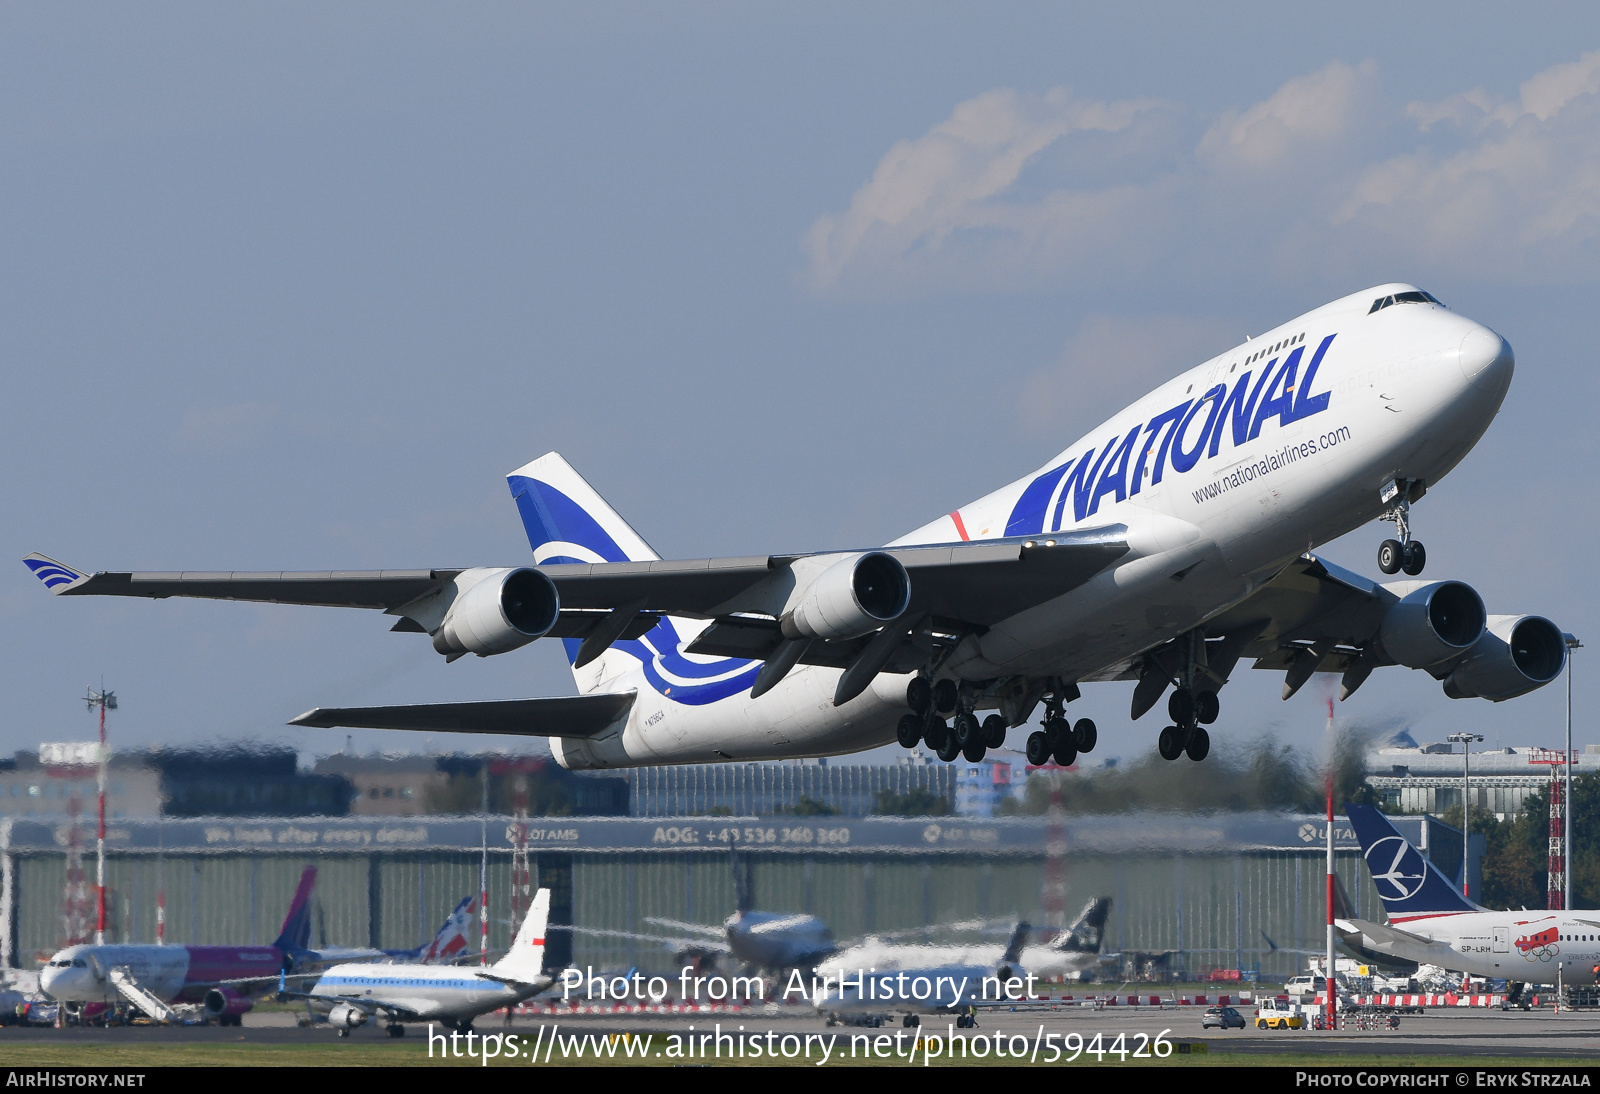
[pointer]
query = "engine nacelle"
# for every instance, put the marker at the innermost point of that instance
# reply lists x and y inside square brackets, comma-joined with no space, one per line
[1433,624]
[225,1003]
[855,596]
[1517,654]
[343,1016]
[501,610]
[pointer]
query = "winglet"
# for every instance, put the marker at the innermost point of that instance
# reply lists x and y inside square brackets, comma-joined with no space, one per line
[56,577]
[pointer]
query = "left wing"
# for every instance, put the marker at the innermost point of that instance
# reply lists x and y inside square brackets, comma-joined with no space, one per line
[561,716]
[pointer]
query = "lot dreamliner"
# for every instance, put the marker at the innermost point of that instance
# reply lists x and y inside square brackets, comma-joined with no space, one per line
[1429,921]
[1163,547]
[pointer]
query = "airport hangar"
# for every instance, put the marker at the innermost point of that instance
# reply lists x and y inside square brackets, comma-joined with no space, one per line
[1208,890]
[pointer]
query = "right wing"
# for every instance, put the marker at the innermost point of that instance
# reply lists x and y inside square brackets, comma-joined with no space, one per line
[562,716]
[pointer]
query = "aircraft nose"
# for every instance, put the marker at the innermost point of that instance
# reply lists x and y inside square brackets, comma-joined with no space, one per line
[1486,359]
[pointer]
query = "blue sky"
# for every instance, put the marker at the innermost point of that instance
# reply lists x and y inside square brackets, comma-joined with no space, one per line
[294,286]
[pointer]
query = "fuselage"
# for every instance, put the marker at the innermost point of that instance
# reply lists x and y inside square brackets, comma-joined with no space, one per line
[440,992]
[174,974]
[1518,946]
[776,940]
[1221,476]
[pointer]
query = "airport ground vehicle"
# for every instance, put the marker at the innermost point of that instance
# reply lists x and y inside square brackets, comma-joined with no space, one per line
[1222,1018]
[1276,1014]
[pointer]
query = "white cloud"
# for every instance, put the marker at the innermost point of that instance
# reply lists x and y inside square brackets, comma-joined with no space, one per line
[937,199]
[1306,113]
[1009,191]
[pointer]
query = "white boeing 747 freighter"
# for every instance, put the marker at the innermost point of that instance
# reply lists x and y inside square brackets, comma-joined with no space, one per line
[1165,546]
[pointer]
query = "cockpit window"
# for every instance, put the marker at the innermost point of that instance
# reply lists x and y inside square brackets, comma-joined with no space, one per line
[1416,297]
[79,963]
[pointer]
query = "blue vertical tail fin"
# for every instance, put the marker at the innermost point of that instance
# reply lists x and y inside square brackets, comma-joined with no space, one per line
[296,933]
[1409,885]
[568,521]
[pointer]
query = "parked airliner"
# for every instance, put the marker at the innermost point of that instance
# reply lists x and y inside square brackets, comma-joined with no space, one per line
[1431,922]
[451,995]
[222,979]
[1162,547]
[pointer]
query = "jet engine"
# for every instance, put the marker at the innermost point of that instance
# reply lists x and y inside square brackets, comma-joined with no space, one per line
[1433,624]
[1515,655]
[224,1003]
[501,610]
[344,1017]
[854,596]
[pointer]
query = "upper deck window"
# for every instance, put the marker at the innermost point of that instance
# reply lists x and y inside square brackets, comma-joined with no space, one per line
[1403,298]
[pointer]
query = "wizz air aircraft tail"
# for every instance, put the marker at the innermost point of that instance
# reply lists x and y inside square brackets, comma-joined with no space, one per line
[1161,549]
[296,932]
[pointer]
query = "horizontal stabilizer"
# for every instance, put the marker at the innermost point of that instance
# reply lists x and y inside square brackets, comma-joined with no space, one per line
[561,716]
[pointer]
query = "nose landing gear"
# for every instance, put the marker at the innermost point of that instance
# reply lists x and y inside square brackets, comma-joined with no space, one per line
[1404,553]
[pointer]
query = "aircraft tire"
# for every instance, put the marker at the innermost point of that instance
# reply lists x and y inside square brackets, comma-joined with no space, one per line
[944,696]
[1038,748]
[1065,754]
[1199,744]
[1206,707]
[919,694]
[1084,735]
[909,731]
[994,731]
[934,734]
[1170,743]
[1180,706]
[948,749]
[967,730]
[1413,557]
[974,749]
[1390,554]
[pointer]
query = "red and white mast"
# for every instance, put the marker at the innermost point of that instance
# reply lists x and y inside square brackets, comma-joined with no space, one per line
[105,700]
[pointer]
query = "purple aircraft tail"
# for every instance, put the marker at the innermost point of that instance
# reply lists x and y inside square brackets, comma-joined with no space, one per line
[296,933]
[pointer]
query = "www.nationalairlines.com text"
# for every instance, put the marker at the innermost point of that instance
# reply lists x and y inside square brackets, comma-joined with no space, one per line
[1266,465]
[911,1046]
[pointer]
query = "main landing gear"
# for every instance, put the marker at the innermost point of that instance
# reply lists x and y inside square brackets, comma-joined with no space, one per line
[1060,740]
[1191,706]
[964,737]
[1404,553]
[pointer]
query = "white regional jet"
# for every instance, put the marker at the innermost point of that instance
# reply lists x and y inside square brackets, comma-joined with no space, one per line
[1161,548]
[1430,922]
[450,994]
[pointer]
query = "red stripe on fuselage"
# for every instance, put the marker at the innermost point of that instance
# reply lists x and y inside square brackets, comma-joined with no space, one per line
[960,527]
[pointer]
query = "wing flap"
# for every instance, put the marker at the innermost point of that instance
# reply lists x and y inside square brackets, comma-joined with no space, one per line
[559,716]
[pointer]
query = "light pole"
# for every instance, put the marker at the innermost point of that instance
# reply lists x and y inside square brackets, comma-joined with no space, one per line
[1467,740]
[105,700]
[1566,842]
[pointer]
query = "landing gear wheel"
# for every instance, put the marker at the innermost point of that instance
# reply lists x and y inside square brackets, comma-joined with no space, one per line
[396,1031]
[1038,748]
[994,731]
[1058,731]
[1180,707]
[1170,743]
[936,733]
[967,730]
[919,694]
[913,1020]
[344,1033]
[1413,557]
[1084,735]
[1390,555]
[1206,707]
[1199,744]
[909,731]
[948,748]
[973,750]
[944,696]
